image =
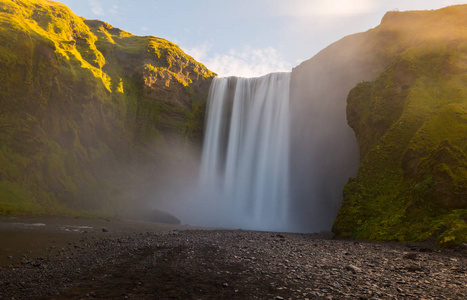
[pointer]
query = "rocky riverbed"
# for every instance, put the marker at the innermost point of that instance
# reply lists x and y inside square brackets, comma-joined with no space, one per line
[233,264]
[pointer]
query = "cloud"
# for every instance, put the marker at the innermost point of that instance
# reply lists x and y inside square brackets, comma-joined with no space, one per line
[246,62]
[307,8]
[199,52]
[96,7]
[114,9]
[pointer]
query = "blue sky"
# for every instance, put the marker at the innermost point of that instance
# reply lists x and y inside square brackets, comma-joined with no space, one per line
[247,37]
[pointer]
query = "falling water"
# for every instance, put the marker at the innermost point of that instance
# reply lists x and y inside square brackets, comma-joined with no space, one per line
[245,162]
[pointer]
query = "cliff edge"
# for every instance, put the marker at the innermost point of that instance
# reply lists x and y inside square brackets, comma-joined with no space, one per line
[90,115]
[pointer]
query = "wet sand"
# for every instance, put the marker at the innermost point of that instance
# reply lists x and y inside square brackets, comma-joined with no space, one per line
[45,236]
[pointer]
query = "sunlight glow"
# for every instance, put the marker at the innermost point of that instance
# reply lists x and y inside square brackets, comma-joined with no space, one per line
[306,8]
[247,62]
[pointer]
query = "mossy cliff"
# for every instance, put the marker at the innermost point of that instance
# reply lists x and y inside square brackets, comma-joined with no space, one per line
[88,113]
[324,151]
[411,127]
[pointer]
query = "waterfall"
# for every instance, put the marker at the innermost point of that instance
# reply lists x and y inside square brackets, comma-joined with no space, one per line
[245,161]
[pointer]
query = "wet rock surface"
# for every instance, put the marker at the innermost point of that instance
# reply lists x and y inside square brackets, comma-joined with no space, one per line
[219,264]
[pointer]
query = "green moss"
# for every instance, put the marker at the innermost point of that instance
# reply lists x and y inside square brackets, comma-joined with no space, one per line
[456,229]
[411,124]
[81,105]
[14,199]
[194,125]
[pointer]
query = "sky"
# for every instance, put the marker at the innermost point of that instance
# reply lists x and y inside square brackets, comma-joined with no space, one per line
[247,38]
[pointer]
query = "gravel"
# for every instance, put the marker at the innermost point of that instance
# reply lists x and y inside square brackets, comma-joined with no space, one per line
[236,264]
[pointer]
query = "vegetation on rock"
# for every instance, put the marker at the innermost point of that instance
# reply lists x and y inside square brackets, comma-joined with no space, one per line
[411,127]
[90,116]
[87,111]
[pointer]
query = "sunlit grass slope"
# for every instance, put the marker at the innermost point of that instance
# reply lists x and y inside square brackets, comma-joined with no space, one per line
[86,110]
[411,127]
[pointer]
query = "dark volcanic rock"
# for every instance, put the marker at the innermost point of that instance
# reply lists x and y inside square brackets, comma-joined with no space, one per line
[236,265]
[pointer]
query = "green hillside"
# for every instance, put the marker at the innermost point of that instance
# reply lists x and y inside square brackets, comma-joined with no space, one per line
[88,112]
[93,120]
[411,127]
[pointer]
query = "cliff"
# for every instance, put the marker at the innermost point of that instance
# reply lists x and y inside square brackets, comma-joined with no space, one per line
[90,115]
[324,151]
[401,88]
[411,128]
[94,121]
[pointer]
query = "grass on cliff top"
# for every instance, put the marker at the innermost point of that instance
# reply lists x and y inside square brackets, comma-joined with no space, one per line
[414,28]
[55,24]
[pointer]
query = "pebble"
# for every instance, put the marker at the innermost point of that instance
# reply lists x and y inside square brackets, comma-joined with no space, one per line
[193,262]
[353,269]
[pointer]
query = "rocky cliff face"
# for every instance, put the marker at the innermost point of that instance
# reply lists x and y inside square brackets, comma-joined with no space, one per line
[89,114]
[324,151]
[92,119]
[411,127]
[406,105]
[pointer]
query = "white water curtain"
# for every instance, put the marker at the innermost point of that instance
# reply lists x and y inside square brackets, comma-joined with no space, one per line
[245,162]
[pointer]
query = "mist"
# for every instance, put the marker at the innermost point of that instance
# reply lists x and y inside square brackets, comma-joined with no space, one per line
[243,178]
[321,154]
[322,149]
